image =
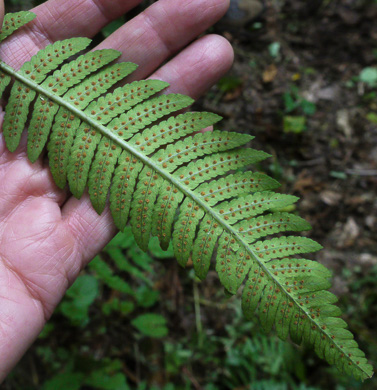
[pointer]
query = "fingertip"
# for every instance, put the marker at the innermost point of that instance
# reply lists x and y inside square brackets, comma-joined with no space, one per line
[198,67]
[219,51]
[225,6]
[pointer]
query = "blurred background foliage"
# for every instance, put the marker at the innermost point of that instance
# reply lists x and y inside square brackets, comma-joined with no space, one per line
[305,83]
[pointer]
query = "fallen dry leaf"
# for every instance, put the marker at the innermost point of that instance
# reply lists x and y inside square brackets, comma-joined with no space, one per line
[270,73]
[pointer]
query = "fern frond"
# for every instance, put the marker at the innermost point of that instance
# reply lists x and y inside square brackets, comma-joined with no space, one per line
[167,179]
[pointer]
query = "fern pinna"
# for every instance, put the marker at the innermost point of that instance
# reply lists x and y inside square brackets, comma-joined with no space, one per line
[170,180]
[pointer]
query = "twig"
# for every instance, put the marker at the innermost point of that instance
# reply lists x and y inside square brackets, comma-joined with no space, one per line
[198,319]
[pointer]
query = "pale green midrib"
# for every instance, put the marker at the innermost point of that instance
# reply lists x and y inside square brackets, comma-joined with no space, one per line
[124,145]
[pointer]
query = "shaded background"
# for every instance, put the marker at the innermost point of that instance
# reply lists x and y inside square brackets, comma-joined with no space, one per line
[305,84]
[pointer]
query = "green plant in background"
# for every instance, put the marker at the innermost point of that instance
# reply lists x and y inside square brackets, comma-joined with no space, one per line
[100,376]
[274,49]
[369,77]
[94,143]
[152,325]
[294,102]
[113,26]
[121,255]
[226,85]
[294,124]
[372,117]
[244,362]
[79,298]
[229,83]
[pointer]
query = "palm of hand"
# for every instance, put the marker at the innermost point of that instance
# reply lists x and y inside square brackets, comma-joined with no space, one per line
[46,236]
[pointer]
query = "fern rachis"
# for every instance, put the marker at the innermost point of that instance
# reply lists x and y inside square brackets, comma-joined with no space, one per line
[191,189]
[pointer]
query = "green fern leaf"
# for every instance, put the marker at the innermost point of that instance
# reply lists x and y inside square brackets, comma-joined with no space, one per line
[281,247]
[12,22]
[253,205]
[270,224]
[123,187]
[215,165]
[168,179]
[234,185]
[204,246]
[142,205]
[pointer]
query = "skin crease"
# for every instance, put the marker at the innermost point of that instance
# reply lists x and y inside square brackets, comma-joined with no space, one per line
[46,236]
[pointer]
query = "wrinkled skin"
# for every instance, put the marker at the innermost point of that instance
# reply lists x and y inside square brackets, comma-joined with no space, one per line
[46,236]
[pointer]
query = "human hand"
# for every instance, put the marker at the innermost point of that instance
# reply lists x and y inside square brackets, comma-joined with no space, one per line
[47,236]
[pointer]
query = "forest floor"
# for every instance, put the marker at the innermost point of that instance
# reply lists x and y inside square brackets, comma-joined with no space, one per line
[304,83]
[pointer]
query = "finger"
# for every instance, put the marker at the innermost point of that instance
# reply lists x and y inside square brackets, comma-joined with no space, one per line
[210,58]
[90,230]
[161,30]
[61,19]
[1,12]
[198,67]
